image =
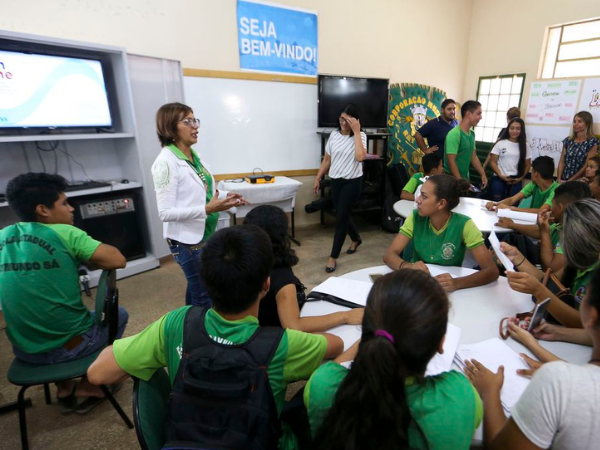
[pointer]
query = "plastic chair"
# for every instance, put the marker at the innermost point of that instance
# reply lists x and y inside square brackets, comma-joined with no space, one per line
[26,375]
[149,408]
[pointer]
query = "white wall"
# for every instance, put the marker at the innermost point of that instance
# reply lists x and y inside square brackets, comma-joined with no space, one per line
[507,36]
[407,41]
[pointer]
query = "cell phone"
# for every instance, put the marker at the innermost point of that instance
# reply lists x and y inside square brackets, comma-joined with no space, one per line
[375,276]
[475,188]
[538,314]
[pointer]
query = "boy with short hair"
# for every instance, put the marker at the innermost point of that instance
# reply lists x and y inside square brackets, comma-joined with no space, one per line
[541,189]
[551,252]
[432,165]
[236,263]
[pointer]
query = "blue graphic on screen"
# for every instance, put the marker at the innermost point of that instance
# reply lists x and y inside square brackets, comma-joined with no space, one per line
[51,91]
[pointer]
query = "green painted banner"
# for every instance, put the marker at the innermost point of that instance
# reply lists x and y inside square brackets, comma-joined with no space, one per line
[410,107]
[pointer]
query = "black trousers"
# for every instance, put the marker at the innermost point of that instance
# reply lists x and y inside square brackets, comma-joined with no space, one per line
[345,194]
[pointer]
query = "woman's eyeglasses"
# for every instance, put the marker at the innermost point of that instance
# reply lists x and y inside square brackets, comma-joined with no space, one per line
[194,123]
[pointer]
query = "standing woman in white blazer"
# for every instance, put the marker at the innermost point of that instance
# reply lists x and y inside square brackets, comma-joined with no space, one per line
[188,202]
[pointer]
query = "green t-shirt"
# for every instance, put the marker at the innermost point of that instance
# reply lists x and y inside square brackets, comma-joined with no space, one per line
[39,284]
[555,230]
[445,247]
[413,183]
[211,219]
[580,284]
[539,197]
[161,344]
[462,145]
[446,407]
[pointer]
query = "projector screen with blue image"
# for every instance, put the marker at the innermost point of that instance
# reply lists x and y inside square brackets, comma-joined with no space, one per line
[44,91]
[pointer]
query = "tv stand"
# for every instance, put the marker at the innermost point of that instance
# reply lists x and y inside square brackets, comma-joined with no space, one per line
[374,172]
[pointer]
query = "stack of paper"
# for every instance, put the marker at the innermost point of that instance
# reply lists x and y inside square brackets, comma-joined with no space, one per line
[518,215]
[350,290]
[492,354]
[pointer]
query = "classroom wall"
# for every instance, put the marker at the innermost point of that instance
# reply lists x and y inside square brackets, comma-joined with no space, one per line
[507,36]
[404,40]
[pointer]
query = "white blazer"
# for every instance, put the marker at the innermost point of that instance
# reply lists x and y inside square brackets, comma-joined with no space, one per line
[181,198]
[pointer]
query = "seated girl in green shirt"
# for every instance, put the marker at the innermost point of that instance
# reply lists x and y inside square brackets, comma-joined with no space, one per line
[440,236]
[385,401]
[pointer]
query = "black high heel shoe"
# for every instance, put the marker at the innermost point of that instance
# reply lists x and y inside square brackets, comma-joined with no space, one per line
[331,269]
[351,250]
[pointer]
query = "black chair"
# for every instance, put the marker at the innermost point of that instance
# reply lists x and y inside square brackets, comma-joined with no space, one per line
[26,375]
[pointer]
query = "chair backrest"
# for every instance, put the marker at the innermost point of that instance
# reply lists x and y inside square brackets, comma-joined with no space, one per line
[107,303]
[149,409]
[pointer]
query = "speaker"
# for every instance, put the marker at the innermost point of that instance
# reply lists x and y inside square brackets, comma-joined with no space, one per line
[112,219]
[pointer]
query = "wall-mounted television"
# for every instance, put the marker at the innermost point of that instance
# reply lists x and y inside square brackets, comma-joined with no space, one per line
[51,91]
[369,94]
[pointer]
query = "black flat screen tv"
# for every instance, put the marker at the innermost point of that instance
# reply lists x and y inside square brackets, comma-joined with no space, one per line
[51,91]
[369,94]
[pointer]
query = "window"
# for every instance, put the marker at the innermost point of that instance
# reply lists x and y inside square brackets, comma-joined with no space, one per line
[572,50]
[497,94]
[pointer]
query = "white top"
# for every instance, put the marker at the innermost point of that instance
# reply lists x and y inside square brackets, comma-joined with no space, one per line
[343,156]
[180,197]
[508,156]
[561,407]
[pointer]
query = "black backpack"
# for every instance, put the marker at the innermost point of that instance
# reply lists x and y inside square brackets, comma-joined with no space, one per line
[221,397]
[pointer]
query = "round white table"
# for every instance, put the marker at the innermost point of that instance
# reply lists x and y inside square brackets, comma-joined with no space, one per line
[471,207]
[476,311]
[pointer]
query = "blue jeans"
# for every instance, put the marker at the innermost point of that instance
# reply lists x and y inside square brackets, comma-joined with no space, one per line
[189,260]
[501,190]
[93,341]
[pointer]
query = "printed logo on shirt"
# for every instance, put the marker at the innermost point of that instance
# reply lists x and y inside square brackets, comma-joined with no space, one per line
[161,175]
[580,294]
[448,250]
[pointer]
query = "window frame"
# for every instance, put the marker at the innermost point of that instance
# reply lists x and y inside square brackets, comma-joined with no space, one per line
[544,54]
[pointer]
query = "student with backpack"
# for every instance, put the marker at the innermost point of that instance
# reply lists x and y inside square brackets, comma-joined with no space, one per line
[385,401]
[219,359]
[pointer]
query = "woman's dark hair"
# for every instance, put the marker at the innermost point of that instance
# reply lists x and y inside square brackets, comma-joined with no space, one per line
[593,291]
[26,191]
[274,222]
[352,110]
[167,118]
[522,141]
[449,188]
[370,410]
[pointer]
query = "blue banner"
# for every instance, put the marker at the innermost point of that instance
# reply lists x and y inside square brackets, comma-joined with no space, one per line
[277,39]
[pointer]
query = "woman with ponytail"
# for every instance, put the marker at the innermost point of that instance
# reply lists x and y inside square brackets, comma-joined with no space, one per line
[385,401]
[440,236]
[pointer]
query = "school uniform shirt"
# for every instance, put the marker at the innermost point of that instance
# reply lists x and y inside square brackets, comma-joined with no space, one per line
[39,284]
[161,344]
[580,283]
[445,247]
[555,230]
[181,196]
[539,197]
[560,409]
[462,145]
[447,407]
[342,150]
[508,156]
[413,183]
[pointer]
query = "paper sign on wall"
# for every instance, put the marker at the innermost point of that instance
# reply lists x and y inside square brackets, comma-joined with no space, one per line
[546,141]
[553,102]
[590,98]
[278,39]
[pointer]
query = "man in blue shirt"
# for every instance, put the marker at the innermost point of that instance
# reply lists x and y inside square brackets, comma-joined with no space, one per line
[436,130]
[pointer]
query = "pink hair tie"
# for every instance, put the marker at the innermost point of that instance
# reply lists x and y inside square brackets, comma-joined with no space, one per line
[385,334]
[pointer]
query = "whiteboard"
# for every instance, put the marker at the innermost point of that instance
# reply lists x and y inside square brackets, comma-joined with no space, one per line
[546,141]
[247,124]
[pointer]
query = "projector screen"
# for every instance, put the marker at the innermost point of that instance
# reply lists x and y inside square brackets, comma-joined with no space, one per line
[44,91]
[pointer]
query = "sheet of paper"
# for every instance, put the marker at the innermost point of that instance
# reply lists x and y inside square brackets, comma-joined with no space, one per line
[507,263]
[518,215]
[351,290]
[492,354]
[443,362]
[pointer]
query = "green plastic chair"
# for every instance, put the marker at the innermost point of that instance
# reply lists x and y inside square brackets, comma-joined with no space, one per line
[26,375]
[149,409]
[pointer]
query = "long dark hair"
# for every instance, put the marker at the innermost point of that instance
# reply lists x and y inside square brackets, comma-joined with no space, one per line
[522,141]
[449,188]
[370,410]
[274,221]
[352,110]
